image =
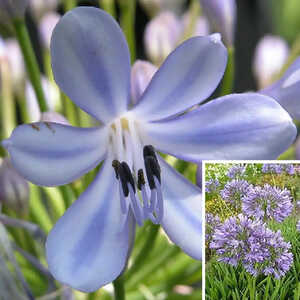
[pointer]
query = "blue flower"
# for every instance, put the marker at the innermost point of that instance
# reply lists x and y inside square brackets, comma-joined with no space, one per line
[90,244]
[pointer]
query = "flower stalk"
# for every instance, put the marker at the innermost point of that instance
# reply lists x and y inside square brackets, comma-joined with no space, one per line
[109,6]
[30,62]
[119,288]
[228,79]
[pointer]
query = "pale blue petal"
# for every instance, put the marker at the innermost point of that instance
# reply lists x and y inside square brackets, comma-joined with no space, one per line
[182,211]
[286,90]
[91,62]
[88,246]
[188,76]
[238,126]
[54,154]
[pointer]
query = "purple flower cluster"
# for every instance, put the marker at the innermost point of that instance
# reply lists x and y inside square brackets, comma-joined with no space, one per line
[234,191]
[259,249]
[289,169]
[236,171]
[267,202]
[212,223]
[212,185]
[272,168]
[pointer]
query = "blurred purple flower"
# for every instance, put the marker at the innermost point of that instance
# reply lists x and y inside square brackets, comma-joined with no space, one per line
[221,15]
[236,171]
[267,202]
[91,64]
[240,240]
[46,26]
[270,55]
[234,191]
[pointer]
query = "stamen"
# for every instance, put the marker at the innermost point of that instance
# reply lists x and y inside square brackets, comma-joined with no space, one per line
[152,169]
[136,206]
[159,204]
[123,203]
[115,164]
[124,179]
[128,175]
[141,179]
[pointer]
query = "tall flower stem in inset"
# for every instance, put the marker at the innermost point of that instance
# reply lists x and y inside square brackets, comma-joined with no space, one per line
[228,79]
[30,62]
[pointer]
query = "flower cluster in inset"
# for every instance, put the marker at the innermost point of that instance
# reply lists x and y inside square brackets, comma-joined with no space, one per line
[278,169]
[267,202]
[234,191]
[212,223]
[236,171]
[298,226]
[212,185]
[241,240]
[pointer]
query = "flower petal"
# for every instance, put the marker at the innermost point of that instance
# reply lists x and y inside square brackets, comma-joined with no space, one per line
[238,126]
[91,62]
[286,90]
[187,77]
[88,246]
[54,154]
[182,211]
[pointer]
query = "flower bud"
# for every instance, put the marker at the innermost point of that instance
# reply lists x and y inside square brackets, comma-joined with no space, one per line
[286,90]
[46,27]
[12,9]
[201,27]
[14,189]
[221,15]
[161,36]
[270,55]
[52,99]
[141,74]
[41,7]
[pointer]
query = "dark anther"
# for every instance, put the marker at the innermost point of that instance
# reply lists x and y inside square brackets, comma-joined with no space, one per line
[128,174]
[123,179]
[115,164]
[149,151]
[152,169]
[141,179]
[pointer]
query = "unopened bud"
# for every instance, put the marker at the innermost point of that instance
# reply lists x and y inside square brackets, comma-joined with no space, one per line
[46,27]
[14,189]
[141,74]
[221,15]
[270,55]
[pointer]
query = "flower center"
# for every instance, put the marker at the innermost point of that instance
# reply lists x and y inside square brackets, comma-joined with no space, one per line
[137,171]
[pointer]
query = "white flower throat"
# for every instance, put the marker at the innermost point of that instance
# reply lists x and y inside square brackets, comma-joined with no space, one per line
[137,171]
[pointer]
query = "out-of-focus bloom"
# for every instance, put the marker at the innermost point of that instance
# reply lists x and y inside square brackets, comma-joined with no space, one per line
[221,15]
[270,55]
[236,171]
[212,223]
[259,249]
[41,7]
[91,64]
[286,90]
[164,33]
[234,191]
[153,7]
[267,202]
[12,9]
[272,168]
[14,189]
[141,74]
[212,185]
[46,26]
[52,98]
[12,53]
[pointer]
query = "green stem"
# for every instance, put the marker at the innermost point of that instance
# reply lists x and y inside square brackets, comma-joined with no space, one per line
[127,23]
[119,288]
[145,250]
[109,6]
[227,84]
[69,4]
[30,62]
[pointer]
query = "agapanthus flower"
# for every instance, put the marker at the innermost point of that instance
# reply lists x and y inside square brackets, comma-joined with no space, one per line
[267,202]
[286,90]
[233,192]
[289,169]
[240,240]
[89,246]
[236,171]
[211,185]
[272,168]
[212,223]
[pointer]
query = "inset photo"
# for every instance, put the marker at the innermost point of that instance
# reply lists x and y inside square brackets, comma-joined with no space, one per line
[252,230]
